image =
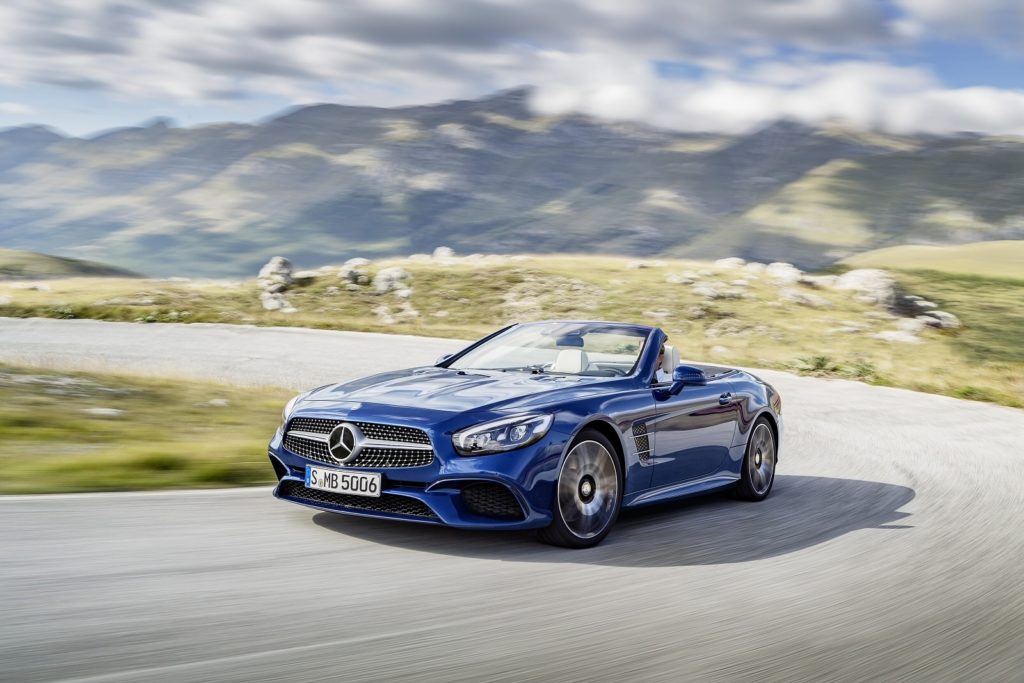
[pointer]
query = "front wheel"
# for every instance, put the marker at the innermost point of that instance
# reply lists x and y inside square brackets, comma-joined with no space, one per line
[758,472]
[588,494]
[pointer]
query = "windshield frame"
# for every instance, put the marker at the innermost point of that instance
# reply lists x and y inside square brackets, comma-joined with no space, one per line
[645,330]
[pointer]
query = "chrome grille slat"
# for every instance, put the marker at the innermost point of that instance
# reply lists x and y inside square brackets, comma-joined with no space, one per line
[386,446]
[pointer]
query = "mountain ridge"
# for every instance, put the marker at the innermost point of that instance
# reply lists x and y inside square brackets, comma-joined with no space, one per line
[323,182]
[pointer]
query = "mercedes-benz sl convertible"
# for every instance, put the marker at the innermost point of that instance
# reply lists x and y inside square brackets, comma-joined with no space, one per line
[553,426]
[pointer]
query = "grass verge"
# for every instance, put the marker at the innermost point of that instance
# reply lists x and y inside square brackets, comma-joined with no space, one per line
[64,432]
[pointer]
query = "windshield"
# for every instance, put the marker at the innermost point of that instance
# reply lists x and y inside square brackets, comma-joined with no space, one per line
[589,349]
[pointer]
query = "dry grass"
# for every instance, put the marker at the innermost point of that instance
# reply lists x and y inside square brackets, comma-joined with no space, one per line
[466,299]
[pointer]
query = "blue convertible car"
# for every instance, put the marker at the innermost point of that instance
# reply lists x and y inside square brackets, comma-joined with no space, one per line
[553,426]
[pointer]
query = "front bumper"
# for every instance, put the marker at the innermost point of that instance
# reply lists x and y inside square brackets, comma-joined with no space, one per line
[510,491]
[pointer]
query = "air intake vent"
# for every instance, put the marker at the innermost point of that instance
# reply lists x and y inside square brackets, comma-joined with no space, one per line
[642,441]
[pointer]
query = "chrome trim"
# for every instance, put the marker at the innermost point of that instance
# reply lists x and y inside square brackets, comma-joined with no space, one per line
[365,443]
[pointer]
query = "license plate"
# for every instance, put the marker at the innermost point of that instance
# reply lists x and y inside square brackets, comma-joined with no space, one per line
[340,481]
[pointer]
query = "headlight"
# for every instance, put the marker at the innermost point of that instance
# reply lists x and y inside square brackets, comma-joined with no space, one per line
[289,407]
[501,435]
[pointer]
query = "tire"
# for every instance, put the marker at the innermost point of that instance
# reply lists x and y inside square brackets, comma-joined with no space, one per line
[757,474]
[588,493]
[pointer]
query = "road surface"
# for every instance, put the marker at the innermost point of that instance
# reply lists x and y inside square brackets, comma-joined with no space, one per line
[891,548]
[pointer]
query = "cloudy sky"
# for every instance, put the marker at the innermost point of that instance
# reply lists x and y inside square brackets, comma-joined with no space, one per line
[700,65]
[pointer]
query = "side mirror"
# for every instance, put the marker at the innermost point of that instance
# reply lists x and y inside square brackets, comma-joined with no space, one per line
[685,375]
[443,358]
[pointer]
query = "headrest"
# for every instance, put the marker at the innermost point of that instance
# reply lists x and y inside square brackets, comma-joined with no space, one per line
[671,360]
[571,360]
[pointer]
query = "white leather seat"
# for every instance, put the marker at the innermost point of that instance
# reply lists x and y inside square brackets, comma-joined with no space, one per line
[671,360]
[572,361]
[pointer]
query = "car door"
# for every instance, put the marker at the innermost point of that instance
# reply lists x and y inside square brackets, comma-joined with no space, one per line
[693,431]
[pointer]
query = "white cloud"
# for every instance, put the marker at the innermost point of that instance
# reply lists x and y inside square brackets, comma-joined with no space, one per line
[16,108]
[593,56]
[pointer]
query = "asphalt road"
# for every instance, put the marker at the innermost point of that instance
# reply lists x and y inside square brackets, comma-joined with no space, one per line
[891,549]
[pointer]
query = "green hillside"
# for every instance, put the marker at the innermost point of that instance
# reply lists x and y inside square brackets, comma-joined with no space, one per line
[1000,258]
[324,183]
[15,264]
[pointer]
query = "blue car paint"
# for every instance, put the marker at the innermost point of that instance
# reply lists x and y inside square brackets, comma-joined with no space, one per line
[696,442]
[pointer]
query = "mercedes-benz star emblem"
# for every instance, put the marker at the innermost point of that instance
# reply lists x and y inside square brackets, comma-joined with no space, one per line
[345,442]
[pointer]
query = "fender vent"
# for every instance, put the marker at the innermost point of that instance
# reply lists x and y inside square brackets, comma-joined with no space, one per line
[642,441]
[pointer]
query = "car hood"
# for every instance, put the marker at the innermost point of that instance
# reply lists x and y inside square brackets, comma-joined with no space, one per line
[450,391]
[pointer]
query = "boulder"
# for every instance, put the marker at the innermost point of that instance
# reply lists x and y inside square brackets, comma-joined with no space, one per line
[822,281]
[731,262]
[388,279]
[911,325]
[443,254]
[277,269]
[871,285]
[803,298]
[356,262]
[675,279]
[940,319]
[706,291]
[785,273]
[897,336]
[304,277]
[754,268]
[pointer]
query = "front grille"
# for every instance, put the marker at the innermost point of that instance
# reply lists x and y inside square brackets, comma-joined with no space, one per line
[491,500]
[371,430]
[642,441]
[370,456]
[398,505]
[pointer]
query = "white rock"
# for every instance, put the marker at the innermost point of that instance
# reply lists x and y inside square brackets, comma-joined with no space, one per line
[390,278]
[277,269]
[690,275]
[803,298]
[357,262]
[660,315]
[404,293]
[897,336]
[675,279]
[785,273]
[719,350]
[911,325]
[218,402]
[755,268]
[332,291]
[519,258]
[824,281]
[872,286]
[706,291]
[103,412]
[740,283]
[443,253]
[419,258]
[4,300]
[940,319]
[304,277]
[439,314]
[731,262]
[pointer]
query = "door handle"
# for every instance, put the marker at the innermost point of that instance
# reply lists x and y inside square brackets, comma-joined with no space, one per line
[725,399]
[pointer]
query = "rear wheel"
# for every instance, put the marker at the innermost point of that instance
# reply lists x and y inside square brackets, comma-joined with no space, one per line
[588,494]
[758,471]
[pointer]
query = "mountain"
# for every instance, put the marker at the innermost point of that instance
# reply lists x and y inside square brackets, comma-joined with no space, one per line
[326,182]
[29,265]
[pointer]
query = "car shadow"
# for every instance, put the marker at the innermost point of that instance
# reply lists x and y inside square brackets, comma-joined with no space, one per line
[802,511]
